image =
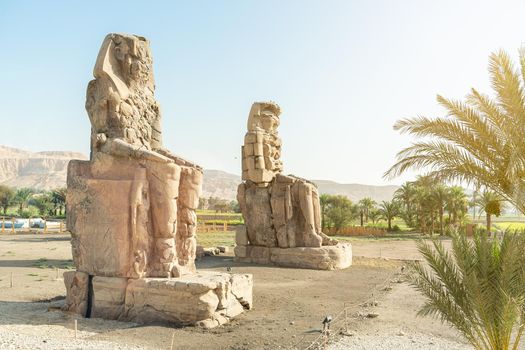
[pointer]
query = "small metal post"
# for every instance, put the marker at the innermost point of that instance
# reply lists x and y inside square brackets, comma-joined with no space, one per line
[11,280]
[3,224]
[346,320]
[76,329]
[13,225]
[172,340]
[45,226]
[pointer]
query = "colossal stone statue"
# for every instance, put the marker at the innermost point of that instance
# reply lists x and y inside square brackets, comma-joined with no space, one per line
[131,208]
[279,211]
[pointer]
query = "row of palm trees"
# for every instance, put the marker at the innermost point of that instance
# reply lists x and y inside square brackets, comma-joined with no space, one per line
[431,206]
[339,211]
[370,210]
[47,202]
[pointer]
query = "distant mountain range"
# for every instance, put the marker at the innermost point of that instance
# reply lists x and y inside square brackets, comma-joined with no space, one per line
[40,170]
[48,170]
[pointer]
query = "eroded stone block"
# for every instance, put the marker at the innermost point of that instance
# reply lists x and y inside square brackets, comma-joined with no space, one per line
[109,294]
[206,298]
[241,237]
[77,284]
[322,258]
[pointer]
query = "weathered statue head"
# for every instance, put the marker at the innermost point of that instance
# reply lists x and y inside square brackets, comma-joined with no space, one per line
[262,146]
[264,116]
[126,61]
[120,101]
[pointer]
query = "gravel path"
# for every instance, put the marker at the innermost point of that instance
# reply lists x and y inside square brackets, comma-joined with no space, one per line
[17,338]
[29,326]
[401,340]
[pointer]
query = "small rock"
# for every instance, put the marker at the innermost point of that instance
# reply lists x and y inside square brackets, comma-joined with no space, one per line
[211,251]
[372,315]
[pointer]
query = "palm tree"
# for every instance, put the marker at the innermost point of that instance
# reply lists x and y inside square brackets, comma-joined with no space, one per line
[389,210]
[478,287]
[457,203]
[367,204]
[374,215]
[406,196]
[481,142]
[22,197]
[425,203]
[439,195]
[491,203]
[58,197]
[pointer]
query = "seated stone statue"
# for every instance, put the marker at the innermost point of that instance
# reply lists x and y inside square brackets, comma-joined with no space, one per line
[278,210]
[131,208]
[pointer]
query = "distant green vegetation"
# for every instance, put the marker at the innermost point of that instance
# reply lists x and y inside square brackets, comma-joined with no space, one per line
[27,202]
[509,225]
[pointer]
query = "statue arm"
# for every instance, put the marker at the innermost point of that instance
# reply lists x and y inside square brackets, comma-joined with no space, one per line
[121,148]
[178,160]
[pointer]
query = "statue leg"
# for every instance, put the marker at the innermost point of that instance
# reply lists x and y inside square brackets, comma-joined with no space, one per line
[164,181]
[140,239]
[311,238]
[188,201]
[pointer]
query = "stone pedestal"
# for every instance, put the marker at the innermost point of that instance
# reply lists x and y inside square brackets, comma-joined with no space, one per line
[333,257]
[206,299]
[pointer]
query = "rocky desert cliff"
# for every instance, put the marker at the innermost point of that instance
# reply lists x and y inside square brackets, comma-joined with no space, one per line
[40,170]
[48,170]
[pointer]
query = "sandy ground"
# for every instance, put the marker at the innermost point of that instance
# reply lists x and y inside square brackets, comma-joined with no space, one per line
[289,304]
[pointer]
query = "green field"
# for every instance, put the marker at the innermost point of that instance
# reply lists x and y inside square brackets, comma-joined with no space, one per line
[509,225]
[213,212]
[227,238]
[217,238]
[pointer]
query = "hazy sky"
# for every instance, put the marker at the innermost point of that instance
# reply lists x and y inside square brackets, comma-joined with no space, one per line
[342,71]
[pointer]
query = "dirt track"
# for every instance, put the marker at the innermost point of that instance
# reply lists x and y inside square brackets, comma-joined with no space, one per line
[289,303]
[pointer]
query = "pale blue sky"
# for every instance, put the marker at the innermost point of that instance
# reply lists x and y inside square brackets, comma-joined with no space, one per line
[342,71]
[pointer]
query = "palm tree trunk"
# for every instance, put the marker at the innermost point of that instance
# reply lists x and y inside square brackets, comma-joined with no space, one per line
[361,218]
[441,215]
[389,224]
[489,223]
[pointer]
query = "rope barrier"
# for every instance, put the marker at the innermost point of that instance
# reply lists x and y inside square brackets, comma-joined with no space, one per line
[324,338]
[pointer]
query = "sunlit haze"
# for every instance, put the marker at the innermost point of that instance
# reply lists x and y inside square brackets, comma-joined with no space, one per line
[342,71]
